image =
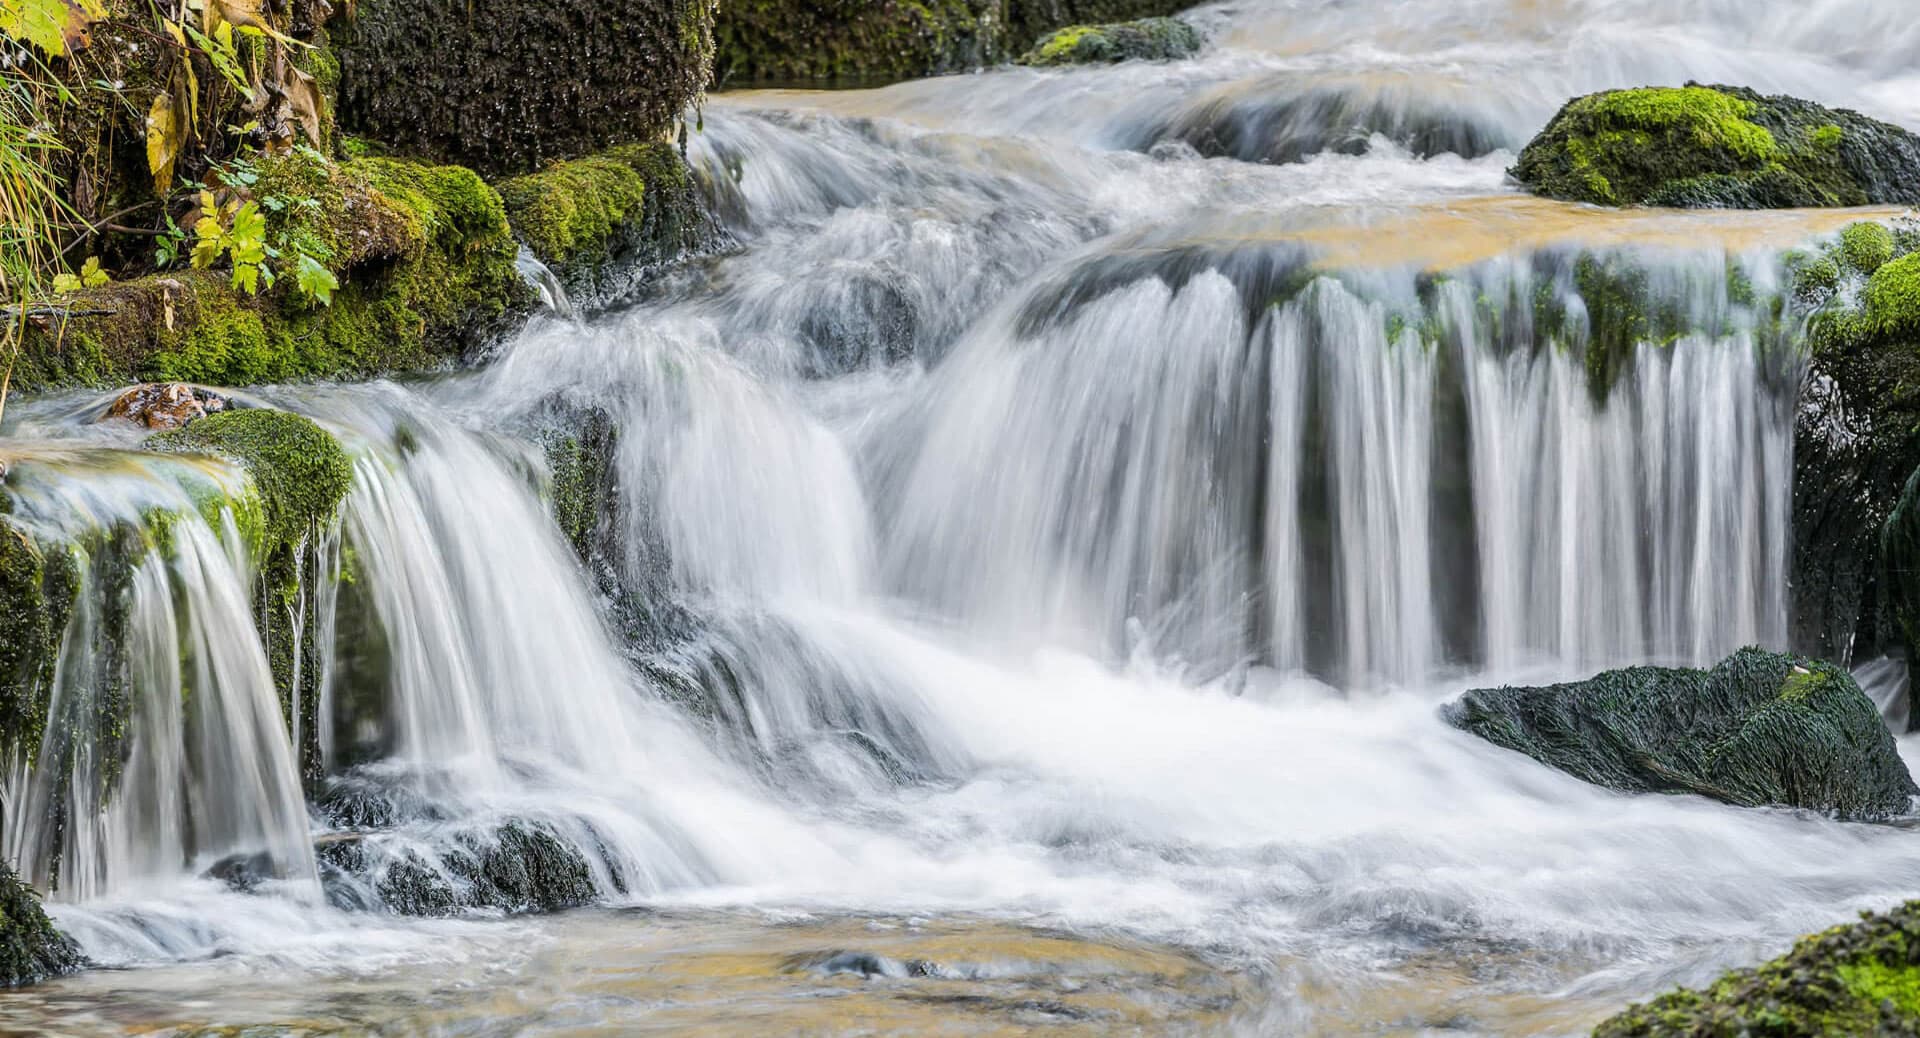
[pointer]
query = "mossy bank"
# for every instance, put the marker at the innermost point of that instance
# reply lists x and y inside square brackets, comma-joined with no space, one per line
[1718,147]
[1149,39]
[1859,979]
[31,950]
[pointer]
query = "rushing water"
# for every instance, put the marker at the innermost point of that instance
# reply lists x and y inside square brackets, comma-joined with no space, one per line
[1035,551]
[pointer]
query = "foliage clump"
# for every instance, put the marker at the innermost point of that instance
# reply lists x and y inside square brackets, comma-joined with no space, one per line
[1149,39]
[1758,729]
[31,950]
[1857,979]
[1718,147]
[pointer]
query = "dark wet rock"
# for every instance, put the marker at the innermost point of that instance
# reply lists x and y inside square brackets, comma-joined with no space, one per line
[862,964]
[1859,979]
[1149,39]
[31,950]
[506,86]
[513,866]
[1280,123]
[165,405]
[1758,729]
[1718,147]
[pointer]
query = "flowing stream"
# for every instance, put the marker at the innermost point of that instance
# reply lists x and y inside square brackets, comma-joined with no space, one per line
[1029,555]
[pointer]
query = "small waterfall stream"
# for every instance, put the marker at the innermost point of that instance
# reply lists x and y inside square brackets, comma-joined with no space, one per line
[1056,516]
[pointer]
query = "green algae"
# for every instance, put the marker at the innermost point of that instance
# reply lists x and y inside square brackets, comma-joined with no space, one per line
[1857,979]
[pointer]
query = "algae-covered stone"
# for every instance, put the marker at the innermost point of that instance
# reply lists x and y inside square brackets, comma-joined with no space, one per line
[31,950]
[1858,979]
[1718,147]
[1149,39]
[1758,729]
[504,86]
[39,585]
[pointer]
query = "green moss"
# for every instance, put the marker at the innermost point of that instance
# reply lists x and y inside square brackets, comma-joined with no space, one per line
[1149,39]
[1858,979]
[1866,247]
[39,584]
[1892,300]
[31,950]
[572,209]
[1716,146]
[423,254]
[299,468]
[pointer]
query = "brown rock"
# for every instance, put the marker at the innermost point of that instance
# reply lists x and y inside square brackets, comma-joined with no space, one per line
[166,405]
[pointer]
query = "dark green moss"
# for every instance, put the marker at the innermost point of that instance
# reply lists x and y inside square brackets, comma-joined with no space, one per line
[1859,979]
[39,584]
[509,85]
[1718,146]
[31,950]
[1758,729]
[874,41]
[1149,39]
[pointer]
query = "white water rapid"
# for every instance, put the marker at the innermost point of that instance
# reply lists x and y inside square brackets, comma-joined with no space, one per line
[1038,543]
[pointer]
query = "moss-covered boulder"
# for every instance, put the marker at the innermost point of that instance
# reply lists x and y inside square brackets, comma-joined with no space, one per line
[31,950]
[505,86]
[1149,39]
[1718,147]
[1758,729]
[1855,579]
[1858,979]
[602,222]
[425,263]
[874,41]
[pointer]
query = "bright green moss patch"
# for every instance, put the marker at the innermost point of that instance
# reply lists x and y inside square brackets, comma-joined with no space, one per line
[573,208]
[1718,146]
[1866,246]
[1892,301]
[1149,39]
[1858,979]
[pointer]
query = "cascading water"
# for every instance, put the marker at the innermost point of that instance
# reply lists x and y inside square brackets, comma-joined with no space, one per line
[1029,524]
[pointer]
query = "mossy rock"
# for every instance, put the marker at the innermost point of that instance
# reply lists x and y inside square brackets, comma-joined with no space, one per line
[301,471]
[847,42]
[1857,445]
[1758,729]
[598,221]
[39,585]
[31,950]
[1149,39]
[1858,979]
[423,254]
[506,86]
[1718,147]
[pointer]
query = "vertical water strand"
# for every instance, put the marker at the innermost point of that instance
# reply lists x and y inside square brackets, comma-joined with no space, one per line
[1285,337]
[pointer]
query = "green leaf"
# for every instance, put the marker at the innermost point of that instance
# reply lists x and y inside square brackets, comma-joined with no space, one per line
[315,280]
[65,283]
[91,275]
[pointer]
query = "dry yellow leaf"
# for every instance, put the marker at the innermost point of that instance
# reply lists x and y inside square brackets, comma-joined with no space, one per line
[163,141]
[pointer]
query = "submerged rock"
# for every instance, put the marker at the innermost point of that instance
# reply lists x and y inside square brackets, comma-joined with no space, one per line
[165,405]
[1758,729]
[514,866]
[1858,979]
[1718,147]
[31,950]
[1149,39]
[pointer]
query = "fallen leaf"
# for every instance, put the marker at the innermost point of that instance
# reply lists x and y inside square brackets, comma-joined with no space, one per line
[163,141]
[308,106]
